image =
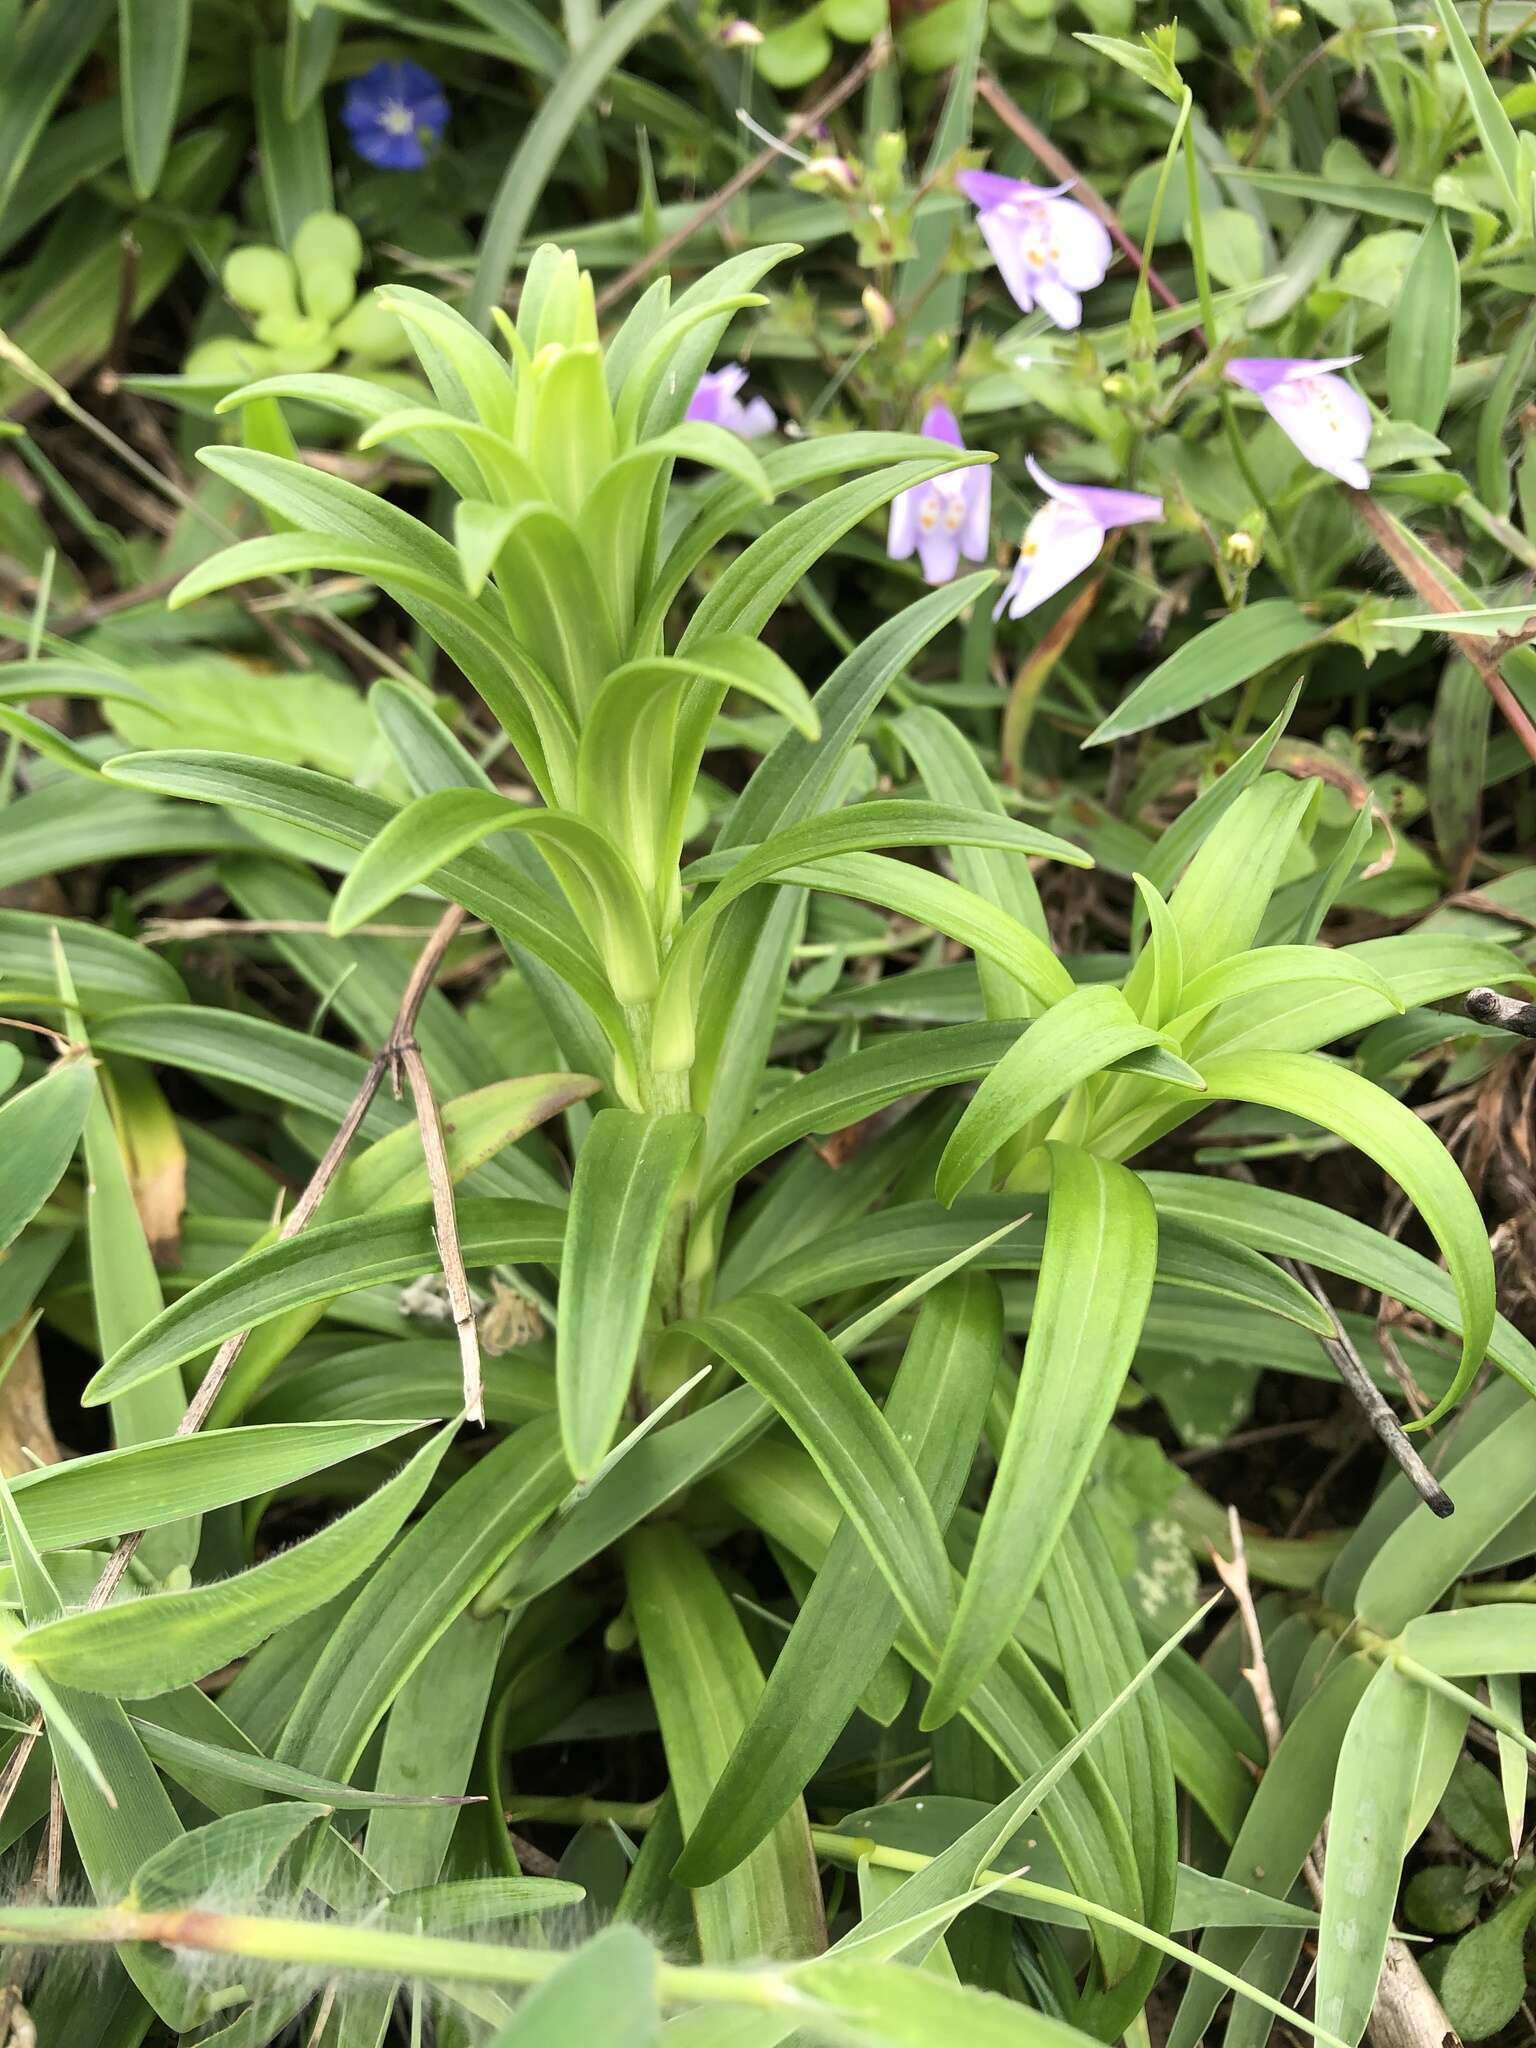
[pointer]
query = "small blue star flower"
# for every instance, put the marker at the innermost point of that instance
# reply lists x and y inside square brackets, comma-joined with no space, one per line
[396,114]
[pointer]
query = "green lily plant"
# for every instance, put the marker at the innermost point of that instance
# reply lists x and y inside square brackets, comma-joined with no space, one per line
[697,1229]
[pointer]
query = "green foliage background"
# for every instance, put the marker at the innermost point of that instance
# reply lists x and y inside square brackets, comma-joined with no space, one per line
[676,1212]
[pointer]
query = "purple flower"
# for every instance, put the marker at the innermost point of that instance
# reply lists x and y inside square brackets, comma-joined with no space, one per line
[947,517]
[1049,249]
[1326,418]
[1065,535]
[396,114]
[715,404]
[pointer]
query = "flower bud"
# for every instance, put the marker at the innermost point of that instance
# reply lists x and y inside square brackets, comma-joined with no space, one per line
[737,34]
[1241,549]
[1284,19]
[878,310]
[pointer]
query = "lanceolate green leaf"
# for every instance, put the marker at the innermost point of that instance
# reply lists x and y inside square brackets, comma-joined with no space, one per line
[1241,645]
[1381,1127]
[782,1353]
[706,1684]
[329,1259]
[90,1499]
[626,1179]
[1095,1280]
[136,1649]
[1367,1838]
[39,1130]
[849,1619]
[337,810]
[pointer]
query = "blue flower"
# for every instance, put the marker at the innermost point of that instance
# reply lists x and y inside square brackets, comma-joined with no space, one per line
[396,114]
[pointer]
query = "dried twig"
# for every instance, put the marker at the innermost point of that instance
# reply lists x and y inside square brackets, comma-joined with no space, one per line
[1233,1574]
[1062,167]
[1489,1007]
[801,124]
[401,1046]
[1427,585]
[168,931]
[1373,1402]
[407,1057]
[1350,1367]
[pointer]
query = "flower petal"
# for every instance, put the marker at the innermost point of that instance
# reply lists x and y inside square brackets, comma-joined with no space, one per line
[1001,234]
[939,553]
[1328,421]
[1059,543]
[754,419]
[976,532]
[901,538]
[1081,250]
[1118,508]
[940,424]
[1057,301]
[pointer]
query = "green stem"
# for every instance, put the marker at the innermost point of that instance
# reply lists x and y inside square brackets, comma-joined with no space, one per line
[328,1946]
[1278,549]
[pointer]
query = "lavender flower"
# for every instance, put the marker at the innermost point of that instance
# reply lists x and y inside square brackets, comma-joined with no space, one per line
[1065,535]
[396,114]
[1050,250]
[947,517]
[1324,416]
[715,404]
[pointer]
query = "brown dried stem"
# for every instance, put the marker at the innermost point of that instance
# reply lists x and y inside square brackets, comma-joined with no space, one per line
[1233,1574]
[1427,585]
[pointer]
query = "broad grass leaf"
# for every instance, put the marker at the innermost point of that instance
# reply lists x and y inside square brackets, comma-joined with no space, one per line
[430,834]
[1272,1220]
[1223,894]
[605,1992]
[706,1683]
[39,1130]
[1372,1796]
[1014,1710]
[627,1177]
[94,1498]
[153,43]
[1493,124]
[234,1856]
[541,145]
[658,1468]
[877,2005]
[1289,1805]
[335,809]
[849,1619]
[1189,831]
[137,1648]
[1403,1146]
[179,1753]
[1474,1642]
[1273,967]
[1102,1656]
[794,1365]
[328,1260]
[1243,644]
[430,1576]
[1425,329]
[912,1238]
[1096,1273]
